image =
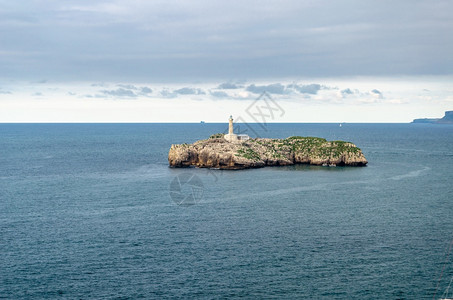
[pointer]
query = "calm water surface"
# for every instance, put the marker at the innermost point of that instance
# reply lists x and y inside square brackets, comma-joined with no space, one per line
[85,212]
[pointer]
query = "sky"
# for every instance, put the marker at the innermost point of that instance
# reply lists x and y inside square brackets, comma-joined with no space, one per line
[186,61]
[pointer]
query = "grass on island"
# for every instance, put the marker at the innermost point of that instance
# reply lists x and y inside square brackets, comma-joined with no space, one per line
[217,136]
[280,148]
[248,153]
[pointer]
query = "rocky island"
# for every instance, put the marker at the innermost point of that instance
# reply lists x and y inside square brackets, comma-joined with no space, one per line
[217,152]
[230,151]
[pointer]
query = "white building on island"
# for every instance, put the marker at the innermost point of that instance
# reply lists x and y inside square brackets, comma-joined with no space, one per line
[231,136]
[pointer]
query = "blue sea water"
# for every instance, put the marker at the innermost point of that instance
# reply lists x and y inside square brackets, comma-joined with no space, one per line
[86,212]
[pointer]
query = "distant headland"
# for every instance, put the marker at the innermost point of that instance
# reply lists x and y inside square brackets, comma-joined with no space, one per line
[447,119]
[231,151]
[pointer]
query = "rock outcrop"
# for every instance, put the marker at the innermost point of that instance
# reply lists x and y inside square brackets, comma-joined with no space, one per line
[216,152]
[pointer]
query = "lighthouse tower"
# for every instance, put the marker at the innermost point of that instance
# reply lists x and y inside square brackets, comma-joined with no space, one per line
[231,137]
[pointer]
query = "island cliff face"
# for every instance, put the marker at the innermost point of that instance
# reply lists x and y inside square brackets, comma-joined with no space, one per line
[447,119]
[216,152]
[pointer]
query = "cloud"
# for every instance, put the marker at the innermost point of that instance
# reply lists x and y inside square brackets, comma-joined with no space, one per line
[166,93]
[99,85]
[127,86]
[120,92]
[275,88]
[377,94]
[99,96]
[123,91]
[281,89]
[37,94]
[189,91]
[145,90]
[347,91]
[228,86]
[311,89]
[371,97]
[362,97]
[4,92]
[218,94]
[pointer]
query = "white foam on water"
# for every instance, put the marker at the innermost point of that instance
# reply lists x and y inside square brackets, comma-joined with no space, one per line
[411,174]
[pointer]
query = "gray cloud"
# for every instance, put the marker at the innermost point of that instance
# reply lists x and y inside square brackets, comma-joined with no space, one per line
[99,96]
[189,91]
[145,90]
[306,89]
[116,41]
[4,92]
[218,94]
[347,91]
[99,85]
[228,86]
[377,93]
[120,92]
[128,91]
[127,86]
[167,93]
[374,93]
[275,88]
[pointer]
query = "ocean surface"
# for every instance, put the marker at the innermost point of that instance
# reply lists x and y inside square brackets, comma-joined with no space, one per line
[92,211]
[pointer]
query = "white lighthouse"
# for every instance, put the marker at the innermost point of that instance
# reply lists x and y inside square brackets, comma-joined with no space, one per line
[231,136]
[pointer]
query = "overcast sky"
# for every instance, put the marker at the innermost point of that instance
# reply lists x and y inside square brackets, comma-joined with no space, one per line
[172,49]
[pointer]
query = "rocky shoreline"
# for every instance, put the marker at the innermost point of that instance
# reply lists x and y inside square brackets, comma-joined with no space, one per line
[216,152]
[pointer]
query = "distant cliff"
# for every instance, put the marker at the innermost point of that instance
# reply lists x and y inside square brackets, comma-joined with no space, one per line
[447,119]
[216,152]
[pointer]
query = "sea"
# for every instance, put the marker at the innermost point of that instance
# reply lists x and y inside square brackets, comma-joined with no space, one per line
[93,211]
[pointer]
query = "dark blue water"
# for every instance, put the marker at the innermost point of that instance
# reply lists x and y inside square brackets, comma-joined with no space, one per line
[85,212]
